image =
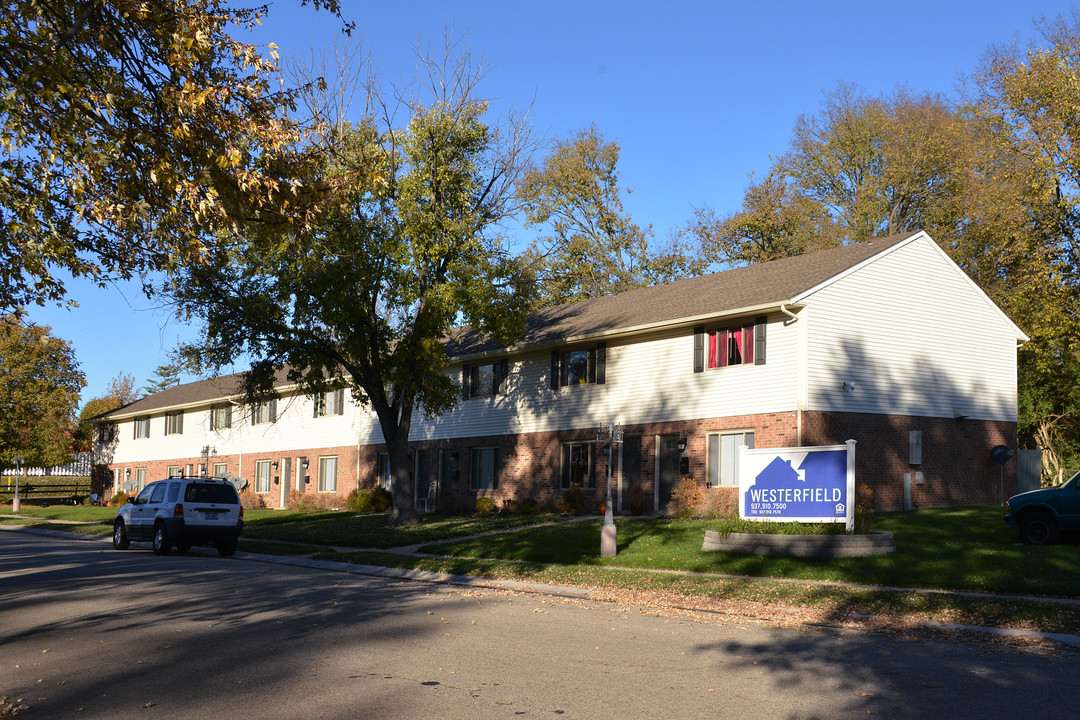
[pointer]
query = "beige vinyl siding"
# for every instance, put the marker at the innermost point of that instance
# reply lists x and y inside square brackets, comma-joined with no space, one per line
[913,336]
[648,379]
[296,429]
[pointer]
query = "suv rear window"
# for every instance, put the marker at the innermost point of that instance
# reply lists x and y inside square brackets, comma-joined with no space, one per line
[205,492]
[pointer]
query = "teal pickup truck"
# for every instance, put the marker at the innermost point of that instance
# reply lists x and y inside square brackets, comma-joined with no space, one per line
[1042,515]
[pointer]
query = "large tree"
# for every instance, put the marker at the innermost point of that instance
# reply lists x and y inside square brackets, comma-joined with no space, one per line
[403,254]
[40,382]
[120,391]
[131,130]
[592,247]
[1031,99]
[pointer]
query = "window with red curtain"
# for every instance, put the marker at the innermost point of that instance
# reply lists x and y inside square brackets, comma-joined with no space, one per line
[731,346]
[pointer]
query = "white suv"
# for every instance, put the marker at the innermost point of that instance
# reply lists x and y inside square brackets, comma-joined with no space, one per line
[182,512]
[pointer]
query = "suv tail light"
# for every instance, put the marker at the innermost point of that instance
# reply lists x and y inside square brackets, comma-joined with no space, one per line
[178,510]
[241,512]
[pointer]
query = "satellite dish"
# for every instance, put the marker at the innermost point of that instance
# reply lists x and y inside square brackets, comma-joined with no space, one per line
[240,483]
[1001,454]
[130,485]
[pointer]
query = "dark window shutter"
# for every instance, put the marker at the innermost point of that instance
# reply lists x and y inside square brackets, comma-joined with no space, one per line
[503,374]
[591,372]
[466,377]
[180,424]
[254,413]
[273,411]
[228,416]
[699,349]
[760,323]
[495,468]
[601,363]
[554,369]
[564,481]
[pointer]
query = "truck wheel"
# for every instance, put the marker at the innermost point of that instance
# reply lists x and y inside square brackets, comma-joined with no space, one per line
[226,548]
[1038,528]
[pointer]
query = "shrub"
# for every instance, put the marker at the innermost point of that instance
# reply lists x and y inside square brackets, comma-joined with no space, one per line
[508,507]
[381,499]
[359,501]
[573,501]
[118,499]
[528,506]
[301,501]
[688,498]
[485,506]
[251,500]
[864,508]
[721,502]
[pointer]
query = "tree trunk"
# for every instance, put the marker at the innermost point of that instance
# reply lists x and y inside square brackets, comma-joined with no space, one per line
[403,511]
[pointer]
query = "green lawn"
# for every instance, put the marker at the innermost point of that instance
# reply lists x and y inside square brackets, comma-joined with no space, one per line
[954,548]
[372,531]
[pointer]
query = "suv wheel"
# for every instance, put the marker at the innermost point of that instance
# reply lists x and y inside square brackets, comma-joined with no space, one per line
[1038,528]
[226,548]
[162,544]
[120,540]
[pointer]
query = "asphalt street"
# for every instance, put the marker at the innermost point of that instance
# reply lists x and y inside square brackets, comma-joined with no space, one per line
[89,632]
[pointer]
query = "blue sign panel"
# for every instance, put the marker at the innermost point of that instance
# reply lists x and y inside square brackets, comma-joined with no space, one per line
[801,484]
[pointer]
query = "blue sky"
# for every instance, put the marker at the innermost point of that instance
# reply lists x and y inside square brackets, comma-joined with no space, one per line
[699,96]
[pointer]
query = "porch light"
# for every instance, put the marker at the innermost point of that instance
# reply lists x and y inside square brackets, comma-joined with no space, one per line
[681,444]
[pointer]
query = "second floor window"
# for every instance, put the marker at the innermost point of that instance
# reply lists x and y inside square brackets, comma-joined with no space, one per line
[142,427]
[264,412]
[330,403]
[580,366]
[484,380]
[221,417]
[174,423]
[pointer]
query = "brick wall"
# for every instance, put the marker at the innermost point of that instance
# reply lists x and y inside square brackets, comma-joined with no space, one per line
[956,462]
[346,472]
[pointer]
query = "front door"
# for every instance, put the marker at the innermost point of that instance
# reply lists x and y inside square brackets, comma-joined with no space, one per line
[668,471]
[423,479]
[286,481]
[630,467]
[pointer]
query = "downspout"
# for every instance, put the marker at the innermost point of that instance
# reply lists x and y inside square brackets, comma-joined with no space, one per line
[802,373]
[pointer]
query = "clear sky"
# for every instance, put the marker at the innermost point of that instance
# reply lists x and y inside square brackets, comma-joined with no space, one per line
[699,96]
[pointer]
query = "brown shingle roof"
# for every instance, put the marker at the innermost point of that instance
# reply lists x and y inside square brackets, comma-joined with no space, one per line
[721,293]
[716,294]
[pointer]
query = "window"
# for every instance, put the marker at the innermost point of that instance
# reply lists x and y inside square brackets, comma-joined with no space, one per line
[484,380]
[484,469]
[328,474]
[721,452]
[221,417]
[188,469]
[174,423]
[264,412]
[140,478]
[174,471]
[579,367]
[159,492]
[736,345]
[220,469]
[142,428]
[174,492]
[577,464]
[330,403]
[262,476]
[106,433]
[382,472]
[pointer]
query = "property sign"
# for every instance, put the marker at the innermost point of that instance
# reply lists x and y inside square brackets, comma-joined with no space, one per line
[807,484]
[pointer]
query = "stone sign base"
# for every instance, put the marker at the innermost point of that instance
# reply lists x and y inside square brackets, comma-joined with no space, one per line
[801,545]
